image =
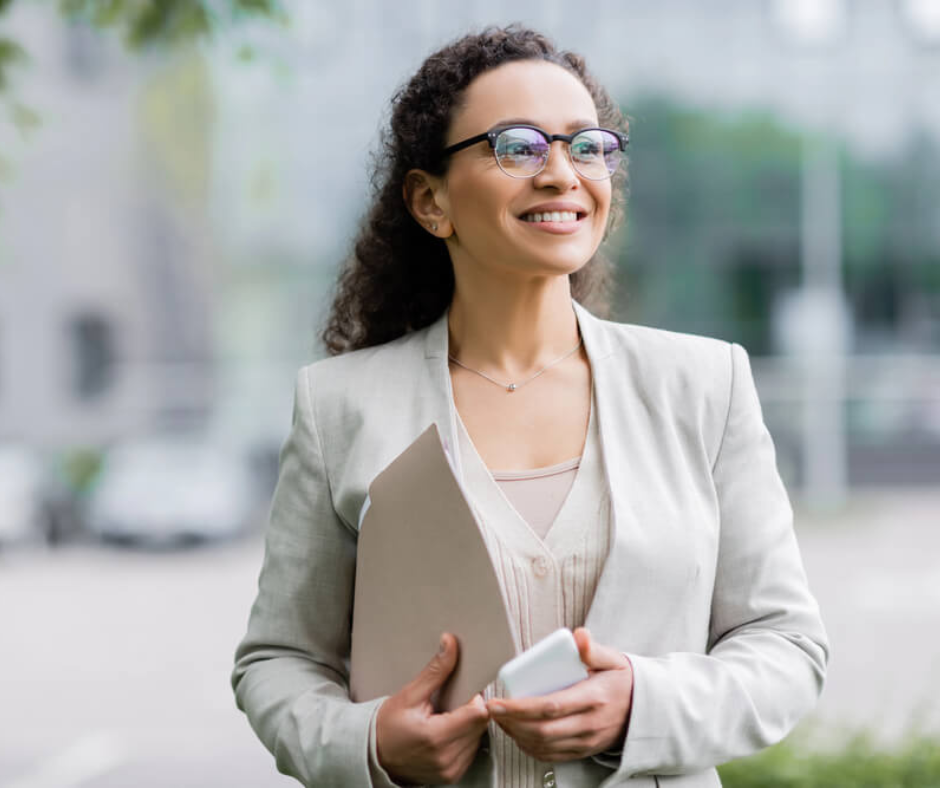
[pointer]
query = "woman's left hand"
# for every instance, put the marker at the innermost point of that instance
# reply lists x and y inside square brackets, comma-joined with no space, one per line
[586,718]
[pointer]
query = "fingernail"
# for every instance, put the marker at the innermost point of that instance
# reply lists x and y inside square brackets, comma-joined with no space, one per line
[443,647]
[497,709]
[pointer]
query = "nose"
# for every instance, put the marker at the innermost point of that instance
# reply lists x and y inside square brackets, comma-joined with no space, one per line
[558,171]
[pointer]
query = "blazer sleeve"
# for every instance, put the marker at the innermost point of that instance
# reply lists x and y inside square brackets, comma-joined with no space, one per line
[291,668]
[767,648]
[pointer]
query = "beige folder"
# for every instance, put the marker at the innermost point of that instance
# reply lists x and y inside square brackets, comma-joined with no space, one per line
[422,569]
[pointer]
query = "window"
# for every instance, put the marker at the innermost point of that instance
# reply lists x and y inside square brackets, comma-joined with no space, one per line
[93,356]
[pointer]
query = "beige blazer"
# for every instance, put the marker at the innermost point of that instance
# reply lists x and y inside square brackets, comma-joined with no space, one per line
[703,588]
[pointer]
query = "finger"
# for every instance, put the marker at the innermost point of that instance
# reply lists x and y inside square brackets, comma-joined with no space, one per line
[572,735]
[469,720]
[434,674]
[575,699]
[575,726]
[563,750]
[469,749]
[595,655]
[466,754]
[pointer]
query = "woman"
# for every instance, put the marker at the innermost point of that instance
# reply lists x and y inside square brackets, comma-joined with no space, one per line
[626,483]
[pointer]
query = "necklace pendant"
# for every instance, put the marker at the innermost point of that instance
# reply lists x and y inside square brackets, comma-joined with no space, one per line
[511,387]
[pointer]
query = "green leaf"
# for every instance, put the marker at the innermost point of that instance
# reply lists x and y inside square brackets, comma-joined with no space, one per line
[262,8]
[24,118]
[11,53]
[6,169]
[169,21]
[265,7]
[110,12]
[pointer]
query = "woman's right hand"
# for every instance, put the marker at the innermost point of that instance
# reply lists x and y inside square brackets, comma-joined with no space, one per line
[418,746]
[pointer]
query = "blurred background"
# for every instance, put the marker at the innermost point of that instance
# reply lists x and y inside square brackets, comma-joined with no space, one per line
[174,205]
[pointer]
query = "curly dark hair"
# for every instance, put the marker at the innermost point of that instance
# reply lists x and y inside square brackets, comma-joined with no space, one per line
[400,277]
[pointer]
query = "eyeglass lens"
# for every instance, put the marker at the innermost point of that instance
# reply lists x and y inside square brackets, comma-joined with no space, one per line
[522,153]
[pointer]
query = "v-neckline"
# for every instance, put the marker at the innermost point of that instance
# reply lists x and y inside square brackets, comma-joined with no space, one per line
[491,495]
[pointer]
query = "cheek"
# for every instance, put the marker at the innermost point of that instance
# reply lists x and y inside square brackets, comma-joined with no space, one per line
[602,201]
[603,197]
[481,206]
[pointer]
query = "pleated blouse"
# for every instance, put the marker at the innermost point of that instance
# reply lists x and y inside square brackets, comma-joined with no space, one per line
[548,534]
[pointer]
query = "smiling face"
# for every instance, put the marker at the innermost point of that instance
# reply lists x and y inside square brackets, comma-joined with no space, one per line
[491,214]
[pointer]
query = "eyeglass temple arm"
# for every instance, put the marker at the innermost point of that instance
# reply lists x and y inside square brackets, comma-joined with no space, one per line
[466,143]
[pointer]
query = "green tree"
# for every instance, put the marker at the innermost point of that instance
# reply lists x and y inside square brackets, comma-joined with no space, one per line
[141,24]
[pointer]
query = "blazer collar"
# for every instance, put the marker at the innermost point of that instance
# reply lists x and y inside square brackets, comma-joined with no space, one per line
[596,340]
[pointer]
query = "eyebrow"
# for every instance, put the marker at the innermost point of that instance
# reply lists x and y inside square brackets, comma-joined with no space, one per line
[572,126]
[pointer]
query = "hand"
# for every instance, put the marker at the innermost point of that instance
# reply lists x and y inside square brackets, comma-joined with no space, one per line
[416,745]
[581,720]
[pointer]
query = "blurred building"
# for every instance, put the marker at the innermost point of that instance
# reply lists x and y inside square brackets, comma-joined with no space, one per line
[169,245]
[105,268]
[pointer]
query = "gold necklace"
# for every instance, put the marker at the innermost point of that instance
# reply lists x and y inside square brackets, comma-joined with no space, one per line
[514,386]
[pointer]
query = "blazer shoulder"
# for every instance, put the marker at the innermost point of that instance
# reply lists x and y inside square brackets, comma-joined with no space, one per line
[365,362]
[662,352]
[365,377]
[685,378]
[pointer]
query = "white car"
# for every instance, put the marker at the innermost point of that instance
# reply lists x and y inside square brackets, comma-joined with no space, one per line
[171,489]
[25,504]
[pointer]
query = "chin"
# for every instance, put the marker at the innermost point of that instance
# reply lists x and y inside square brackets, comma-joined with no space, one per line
[561,267]
[564,260]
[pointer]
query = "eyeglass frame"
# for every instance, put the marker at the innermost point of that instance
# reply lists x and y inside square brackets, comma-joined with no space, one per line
[492,135]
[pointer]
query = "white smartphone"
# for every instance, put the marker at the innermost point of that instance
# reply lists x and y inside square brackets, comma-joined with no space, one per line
[550,665]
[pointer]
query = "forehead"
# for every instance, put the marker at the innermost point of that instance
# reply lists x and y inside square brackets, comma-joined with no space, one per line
[542,93]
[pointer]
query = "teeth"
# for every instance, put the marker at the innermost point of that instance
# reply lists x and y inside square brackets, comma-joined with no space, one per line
[551,216]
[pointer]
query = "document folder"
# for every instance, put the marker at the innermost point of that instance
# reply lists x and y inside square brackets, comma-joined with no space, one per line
[423,568]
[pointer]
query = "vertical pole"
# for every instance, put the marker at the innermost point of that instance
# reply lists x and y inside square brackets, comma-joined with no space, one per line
[824,352]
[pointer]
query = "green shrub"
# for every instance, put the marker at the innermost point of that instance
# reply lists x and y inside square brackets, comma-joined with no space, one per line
[857,764]
[79,468]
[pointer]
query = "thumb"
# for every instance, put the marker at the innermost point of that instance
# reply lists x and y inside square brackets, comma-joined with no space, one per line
[435,673]
[596,656]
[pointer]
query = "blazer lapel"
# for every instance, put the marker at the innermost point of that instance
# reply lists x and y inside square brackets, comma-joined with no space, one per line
[442,410]
[601,617]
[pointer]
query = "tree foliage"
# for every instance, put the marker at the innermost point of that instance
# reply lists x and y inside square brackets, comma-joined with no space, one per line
[145,24]
[141,24]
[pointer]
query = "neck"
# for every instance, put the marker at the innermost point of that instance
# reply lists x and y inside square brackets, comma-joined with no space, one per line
[510,330]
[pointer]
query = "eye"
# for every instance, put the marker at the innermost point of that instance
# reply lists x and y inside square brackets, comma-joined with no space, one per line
[519,148]
[521,143]
[585,149]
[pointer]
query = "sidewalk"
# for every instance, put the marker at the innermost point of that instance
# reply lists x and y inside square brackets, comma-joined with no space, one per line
[875,569]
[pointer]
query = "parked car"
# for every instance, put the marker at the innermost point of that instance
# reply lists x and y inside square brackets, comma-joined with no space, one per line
[27,502]
[169,490]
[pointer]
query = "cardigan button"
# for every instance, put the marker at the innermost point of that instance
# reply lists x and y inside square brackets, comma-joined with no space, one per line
[548,779]
[540,566]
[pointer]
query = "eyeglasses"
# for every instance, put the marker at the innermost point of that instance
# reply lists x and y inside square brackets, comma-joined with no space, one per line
[522,151]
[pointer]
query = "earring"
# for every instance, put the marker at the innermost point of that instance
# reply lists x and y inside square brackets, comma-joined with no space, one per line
[434,226]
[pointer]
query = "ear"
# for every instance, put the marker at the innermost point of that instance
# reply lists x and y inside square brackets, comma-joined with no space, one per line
[425,198]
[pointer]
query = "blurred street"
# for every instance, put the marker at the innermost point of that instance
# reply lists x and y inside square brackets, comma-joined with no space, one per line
[116,662]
